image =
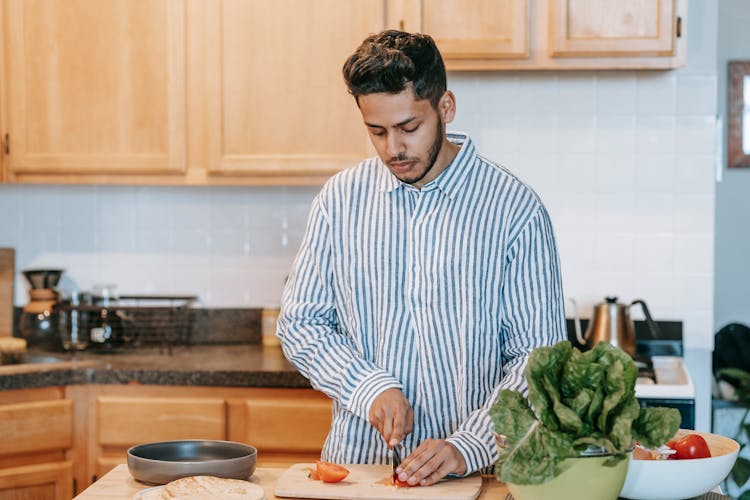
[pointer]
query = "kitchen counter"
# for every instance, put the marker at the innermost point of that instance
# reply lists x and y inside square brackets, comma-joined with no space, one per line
[118,484]
[240,365]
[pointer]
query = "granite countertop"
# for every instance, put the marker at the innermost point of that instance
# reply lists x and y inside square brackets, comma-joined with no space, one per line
[243,365]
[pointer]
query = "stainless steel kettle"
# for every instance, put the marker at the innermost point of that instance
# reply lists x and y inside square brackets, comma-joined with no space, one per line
[611,323]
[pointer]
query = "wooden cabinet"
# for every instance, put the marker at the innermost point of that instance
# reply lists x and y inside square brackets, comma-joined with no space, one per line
[475,30]
[181,91]
[93,88]
[35,436]
[275,101]
[552,34]
[285,425]
[197,92]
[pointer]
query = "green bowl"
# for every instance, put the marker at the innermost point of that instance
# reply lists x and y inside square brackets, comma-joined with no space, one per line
[582,477]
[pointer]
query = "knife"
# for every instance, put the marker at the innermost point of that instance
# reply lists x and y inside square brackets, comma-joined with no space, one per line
[395,462]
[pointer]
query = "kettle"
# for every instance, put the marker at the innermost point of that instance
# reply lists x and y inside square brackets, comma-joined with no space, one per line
[611,323]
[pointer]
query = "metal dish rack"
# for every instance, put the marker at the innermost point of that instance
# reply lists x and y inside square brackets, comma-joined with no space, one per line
[139,320]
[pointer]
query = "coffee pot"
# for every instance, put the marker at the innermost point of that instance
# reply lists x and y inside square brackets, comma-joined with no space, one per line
[39,323]
[611,323]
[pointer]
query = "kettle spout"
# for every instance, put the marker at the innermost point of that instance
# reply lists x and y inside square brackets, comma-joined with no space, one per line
[577,322]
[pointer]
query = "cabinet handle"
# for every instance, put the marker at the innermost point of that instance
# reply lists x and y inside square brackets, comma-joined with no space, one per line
[678,28]
[6,144]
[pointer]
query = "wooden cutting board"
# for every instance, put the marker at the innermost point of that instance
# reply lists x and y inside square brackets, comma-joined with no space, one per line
[371,482]
[7,275]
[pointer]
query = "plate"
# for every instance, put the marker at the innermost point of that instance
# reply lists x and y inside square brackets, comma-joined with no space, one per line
[153,493]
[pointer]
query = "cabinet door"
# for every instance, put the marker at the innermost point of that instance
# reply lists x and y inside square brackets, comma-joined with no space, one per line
[36,426]
[94,87]
[480,29]
[286,425]
[612,27]
[53,481]
[276,103]
[126,421]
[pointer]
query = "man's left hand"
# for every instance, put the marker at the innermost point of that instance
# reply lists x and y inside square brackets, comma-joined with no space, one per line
[431,461]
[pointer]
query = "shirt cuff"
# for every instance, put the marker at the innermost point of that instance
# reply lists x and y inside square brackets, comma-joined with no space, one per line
[364,394]
[476,453]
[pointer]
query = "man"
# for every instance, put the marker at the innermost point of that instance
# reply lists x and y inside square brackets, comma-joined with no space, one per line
[426,277]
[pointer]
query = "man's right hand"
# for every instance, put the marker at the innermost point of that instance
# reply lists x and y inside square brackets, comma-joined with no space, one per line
[392,415]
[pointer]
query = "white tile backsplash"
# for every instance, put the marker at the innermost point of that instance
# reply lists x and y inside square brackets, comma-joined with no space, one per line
[655,134]
[696,95]
[616,93]
[577,93]
[655,93]
[623,160]
[616,134]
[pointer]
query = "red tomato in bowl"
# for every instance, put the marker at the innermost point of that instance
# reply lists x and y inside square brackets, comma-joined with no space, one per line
[689,446]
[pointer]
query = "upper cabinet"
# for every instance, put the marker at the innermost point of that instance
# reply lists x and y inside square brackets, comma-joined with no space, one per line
[552,34]
[480,29]
[250,91]
[273,99]
[93,87]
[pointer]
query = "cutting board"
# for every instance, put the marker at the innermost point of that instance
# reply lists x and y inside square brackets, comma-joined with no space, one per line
[7,275]
[371,482]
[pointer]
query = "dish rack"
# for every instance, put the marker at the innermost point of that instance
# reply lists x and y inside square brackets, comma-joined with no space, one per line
[137,320]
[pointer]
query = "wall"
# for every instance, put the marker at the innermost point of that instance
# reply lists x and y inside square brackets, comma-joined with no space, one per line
[732,278]
[624,160]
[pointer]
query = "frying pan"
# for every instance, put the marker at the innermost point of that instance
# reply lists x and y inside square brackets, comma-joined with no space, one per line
[165,461]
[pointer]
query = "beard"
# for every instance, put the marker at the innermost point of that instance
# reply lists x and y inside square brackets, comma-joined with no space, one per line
[432,155]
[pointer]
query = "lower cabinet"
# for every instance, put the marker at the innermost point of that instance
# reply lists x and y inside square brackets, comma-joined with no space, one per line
[36,436]
[287,426]
[54,442]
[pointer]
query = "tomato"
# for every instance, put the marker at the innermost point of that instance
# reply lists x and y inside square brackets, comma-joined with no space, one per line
[331,473]
[689,446]
[644,454]
[403,484]
[400,483]
[313,474]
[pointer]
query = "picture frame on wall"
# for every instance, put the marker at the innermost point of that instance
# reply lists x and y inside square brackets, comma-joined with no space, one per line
[738,111]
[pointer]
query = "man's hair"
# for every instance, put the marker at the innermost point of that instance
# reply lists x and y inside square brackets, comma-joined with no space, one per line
[391,60]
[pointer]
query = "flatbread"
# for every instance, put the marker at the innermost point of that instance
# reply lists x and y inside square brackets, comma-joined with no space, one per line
[209,487]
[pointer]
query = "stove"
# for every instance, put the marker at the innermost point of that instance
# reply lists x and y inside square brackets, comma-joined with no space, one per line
[664,381]
[663,377]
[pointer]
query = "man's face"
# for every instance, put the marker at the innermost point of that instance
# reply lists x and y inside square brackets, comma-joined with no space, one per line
[408,134]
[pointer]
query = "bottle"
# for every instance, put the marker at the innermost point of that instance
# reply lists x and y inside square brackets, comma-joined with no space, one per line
[269,317]
[104,321]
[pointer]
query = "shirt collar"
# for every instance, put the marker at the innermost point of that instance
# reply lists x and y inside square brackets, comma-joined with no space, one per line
[449,180]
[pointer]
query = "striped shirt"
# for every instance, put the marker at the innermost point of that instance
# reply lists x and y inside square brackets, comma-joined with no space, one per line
[441,292]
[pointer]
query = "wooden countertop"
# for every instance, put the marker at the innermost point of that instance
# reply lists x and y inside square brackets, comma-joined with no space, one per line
[118,484]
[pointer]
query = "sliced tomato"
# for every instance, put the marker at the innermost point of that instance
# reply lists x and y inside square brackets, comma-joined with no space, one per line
[313,474]
[400,483]
[689,446]
[331,473]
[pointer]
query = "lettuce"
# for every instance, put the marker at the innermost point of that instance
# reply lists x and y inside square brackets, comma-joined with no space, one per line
[575,400]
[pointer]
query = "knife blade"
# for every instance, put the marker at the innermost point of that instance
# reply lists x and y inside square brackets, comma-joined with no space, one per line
[395,462]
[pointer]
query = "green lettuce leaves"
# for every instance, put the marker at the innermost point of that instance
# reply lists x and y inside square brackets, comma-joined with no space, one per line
[575,400]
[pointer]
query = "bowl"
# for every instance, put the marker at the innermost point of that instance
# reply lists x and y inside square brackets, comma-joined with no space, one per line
[582,477]
[165,461]
[670,479]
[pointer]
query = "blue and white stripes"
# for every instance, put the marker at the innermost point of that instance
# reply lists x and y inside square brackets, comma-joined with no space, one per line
[441,292]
